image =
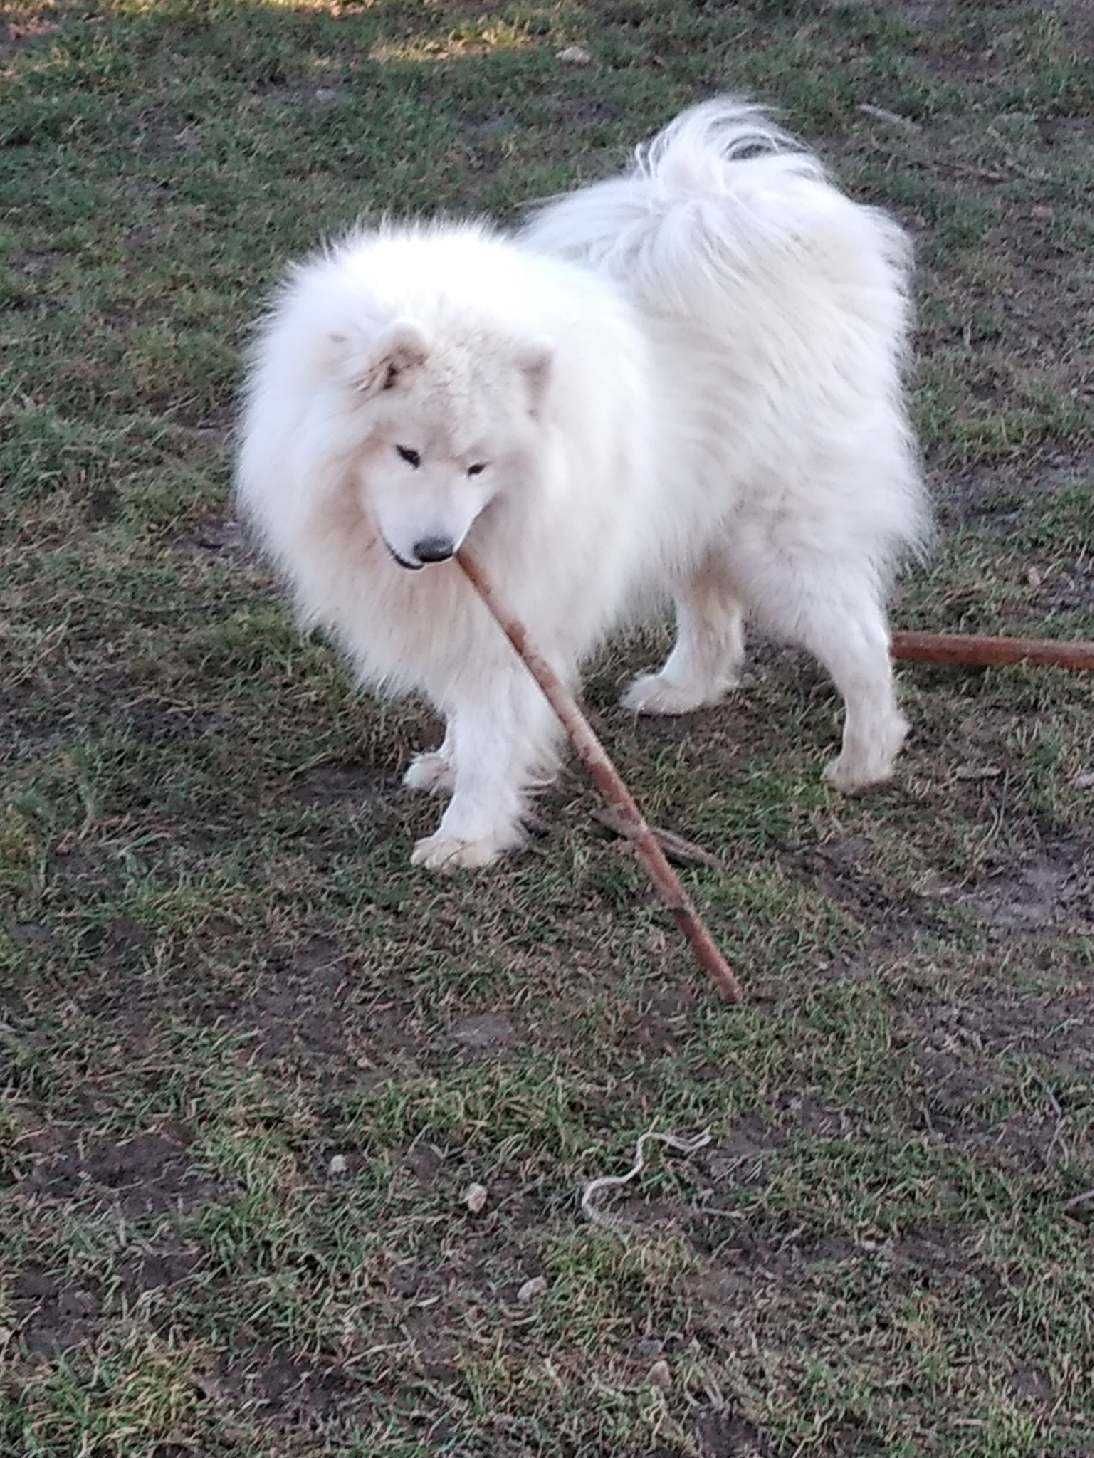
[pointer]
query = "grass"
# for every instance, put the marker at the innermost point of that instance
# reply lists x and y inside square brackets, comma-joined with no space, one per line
[252,1062]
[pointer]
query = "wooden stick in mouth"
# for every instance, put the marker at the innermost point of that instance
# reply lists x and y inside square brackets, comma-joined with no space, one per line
[956,649]
[626,813]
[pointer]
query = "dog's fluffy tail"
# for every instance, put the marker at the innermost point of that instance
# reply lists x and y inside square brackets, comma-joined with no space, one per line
[720,192]
[728,229]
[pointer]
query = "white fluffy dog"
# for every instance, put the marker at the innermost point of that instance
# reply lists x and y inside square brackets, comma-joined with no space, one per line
[685,381]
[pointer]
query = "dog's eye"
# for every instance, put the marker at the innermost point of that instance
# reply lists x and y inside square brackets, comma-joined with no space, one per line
[412,458]
[477,469]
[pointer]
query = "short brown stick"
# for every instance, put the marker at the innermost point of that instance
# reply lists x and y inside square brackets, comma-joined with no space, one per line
[629,818]
[978,651]
[678,850]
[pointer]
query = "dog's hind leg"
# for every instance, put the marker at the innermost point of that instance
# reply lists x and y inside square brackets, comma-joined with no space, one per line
[705,662]
[838,617]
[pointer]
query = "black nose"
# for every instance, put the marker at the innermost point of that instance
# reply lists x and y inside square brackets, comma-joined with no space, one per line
[433,549]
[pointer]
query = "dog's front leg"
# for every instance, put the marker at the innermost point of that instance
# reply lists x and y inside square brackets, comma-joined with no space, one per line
[500,744]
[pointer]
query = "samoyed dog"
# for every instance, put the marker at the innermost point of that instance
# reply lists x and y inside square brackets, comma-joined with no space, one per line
[682,382]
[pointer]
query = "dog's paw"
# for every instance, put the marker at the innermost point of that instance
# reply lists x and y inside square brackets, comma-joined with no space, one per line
[653,693]
[868,766]
[432,772]
[440,852]
[849,779]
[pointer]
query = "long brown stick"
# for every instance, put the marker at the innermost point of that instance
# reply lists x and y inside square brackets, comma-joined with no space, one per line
[976,651]
[629,818]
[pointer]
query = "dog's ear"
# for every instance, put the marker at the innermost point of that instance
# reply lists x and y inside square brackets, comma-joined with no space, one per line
[385,361]
[535,359]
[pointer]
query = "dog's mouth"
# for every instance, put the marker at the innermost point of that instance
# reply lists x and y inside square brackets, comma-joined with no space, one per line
[402,561]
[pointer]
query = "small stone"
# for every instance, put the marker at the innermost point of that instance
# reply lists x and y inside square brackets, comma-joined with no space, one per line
[1084,781]
[532,1290]
[337,1165]
[575,56]
[474,1197]
[486,1031]
[1033,577]
[660,1376]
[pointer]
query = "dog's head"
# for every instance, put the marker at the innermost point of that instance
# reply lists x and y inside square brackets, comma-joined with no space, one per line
[449,423]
